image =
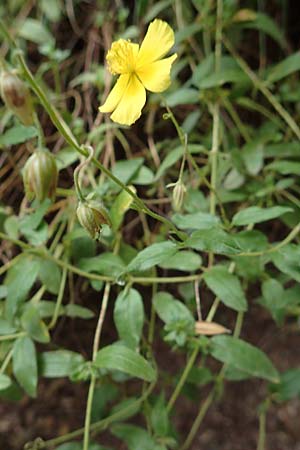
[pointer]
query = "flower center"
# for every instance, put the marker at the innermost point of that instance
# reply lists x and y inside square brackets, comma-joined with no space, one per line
[121,58]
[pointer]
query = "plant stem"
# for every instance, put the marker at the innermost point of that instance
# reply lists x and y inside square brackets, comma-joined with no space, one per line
[216,110]
[183,378]
[200,416]
[262,424]
[101,424]
[87,424]
[263,89]
[59,298]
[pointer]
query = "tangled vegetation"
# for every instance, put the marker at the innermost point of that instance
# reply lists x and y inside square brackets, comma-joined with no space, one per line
[147,244]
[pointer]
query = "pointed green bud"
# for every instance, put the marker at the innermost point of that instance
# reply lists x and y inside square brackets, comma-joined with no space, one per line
[40,176]
[92,215]
[16,97]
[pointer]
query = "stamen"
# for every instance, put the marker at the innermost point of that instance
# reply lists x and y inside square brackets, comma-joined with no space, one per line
[120,58]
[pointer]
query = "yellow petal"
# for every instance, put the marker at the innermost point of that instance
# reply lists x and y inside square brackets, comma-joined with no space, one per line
[116,94]
[130,106]
[156,76]
[158,41]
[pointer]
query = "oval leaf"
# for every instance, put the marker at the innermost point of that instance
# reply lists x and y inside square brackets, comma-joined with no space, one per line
[119,357]
[129,317]
[244,357]
[227,287]
[25,364]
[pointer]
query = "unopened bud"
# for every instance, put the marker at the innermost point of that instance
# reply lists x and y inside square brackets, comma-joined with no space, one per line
[40,176]
[209,328]
[178,195]
[92,215]
[16,97]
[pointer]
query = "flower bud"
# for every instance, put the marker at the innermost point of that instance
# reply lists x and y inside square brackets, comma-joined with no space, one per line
[178,195]
[40,176]
[92,215]
[16,97]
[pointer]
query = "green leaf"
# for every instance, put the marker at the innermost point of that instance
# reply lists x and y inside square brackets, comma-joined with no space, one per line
[50,275]
[266,24]
[144,177]
[119,357]
[17,135]
[6,327]
[126,170]
[273,293]
[136,438]
[58,363]
[287,260]
[183,96]
[32,323]
[287,66]
[105,264]
[174,155]
[214,240]
[35,31]
[227,287]
[65,157]
[19,280]
[253,156]
[234,75]
[121,204]
[285,167]
[72,310]
[152,255]
[129,317]
[5,382]
[52,10]
[244,357]
[159,417]
[171,310]
[184,260]
[255,214]
[289,386]
[197,221]
[25,365]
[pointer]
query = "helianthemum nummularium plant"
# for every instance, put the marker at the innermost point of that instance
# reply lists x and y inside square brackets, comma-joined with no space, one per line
[140,68]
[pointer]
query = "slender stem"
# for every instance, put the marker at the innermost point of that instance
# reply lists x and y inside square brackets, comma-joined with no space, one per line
[87,424]
[59,298]
[78,170]
[216,110]
[200,416]
[262,424]
[9,337]
[101,424]
[183,378]
[263,89]
[6,360]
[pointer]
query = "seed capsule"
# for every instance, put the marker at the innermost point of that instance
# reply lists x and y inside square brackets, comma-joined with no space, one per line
[40,176]
[178,195]
[92,215]
[16,97]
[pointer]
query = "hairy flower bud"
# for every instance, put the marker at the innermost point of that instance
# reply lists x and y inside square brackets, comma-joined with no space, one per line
[178,196]
[16,97]
[40,176]
[92,215]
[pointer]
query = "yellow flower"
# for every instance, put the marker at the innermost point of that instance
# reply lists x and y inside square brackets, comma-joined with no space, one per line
[140,68]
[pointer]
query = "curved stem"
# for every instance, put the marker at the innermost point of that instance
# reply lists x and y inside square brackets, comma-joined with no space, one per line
[87,424]
[78,170]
